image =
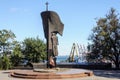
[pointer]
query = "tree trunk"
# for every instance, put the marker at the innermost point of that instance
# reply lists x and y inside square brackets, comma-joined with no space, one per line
[117,65]
[117,62]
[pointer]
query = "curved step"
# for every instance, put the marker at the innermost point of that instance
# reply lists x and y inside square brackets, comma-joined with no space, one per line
[58,75]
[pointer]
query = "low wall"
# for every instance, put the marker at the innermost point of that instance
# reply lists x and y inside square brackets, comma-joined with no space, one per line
[85,66]
[74,65]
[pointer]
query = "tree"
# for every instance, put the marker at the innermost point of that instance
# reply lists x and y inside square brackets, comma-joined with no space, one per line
[106,39]
[16,55]
[6,38]
[34,49]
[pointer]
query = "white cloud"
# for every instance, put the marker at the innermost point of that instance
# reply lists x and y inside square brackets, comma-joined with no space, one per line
[14,9]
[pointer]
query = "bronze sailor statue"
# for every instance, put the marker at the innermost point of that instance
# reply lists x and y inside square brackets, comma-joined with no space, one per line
[52,26]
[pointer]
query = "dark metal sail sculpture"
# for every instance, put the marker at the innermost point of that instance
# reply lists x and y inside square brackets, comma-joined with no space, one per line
[51,24]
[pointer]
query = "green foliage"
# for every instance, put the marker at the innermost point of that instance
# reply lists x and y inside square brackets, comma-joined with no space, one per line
[0,63]
[6,38]
[11,52]
[106,39]
[5,62]
[16,55]
[34,49]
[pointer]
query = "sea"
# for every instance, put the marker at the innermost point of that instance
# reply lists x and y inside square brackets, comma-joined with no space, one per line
[65,59]
[62,58]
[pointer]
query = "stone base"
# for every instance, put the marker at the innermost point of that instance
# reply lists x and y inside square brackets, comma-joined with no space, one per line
[48,70]
[39,65]
[62,74]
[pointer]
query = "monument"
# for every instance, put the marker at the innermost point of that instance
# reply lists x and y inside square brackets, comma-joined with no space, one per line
[52,26]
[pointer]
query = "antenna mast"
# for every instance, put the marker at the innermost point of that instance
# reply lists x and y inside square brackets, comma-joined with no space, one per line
[46,6]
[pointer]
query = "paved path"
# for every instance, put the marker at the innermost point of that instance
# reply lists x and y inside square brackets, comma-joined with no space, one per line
[99,75]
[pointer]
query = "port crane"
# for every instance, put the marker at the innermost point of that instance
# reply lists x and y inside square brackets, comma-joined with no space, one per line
[78,53]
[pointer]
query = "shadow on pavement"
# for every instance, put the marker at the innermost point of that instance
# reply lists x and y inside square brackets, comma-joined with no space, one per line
[107,73]
[6,72]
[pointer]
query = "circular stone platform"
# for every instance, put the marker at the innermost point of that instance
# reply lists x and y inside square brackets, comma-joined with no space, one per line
[58,74]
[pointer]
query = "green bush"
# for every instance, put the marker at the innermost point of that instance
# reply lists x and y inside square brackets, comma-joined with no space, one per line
[5,63]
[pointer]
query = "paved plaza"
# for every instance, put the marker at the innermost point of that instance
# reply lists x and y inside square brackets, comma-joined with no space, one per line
[98,75]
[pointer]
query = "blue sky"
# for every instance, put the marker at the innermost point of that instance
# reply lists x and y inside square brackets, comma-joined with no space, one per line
[23,18]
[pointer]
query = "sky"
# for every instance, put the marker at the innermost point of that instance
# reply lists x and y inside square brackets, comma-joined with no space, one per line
[23,18]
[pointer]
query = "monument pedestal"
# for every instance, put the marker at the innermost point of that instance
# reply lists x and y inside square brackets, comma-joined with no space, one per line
[62,73]
[39,65]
